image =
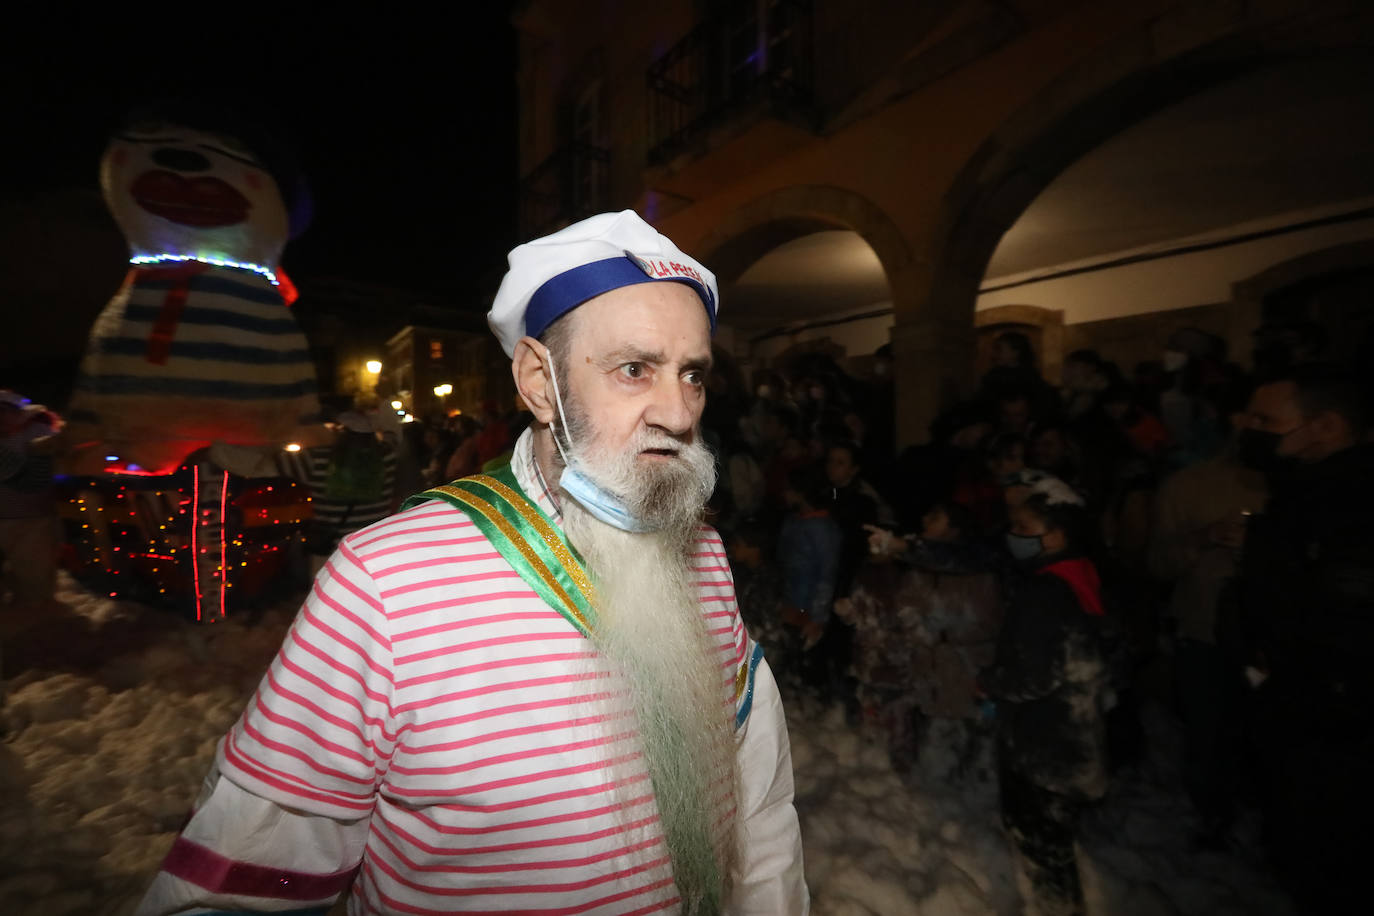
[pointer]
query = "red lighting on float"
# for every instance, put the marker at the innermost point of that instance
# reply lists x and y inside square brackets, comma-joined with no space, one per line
[151,542]
[223,543]
[195,523]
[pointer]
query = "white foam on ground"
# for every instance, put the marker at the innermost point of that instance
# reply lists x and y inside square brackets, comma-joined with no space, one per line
[100,769]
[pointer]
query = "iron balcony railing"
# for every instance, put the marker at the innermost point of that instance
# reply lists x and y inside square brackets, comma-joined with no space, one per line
[748,52]
[571,184]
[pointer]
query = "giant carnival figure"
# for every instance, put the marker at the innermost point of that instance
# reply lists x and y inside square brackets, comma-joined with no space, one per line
[196,368]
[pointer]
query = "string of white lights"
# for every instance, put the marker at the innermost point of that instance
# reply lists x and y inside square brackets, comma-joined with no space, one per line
[267,272]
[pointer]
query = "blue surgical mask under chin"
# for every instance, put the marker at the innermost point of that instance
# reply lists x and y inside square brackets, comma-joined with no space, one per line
[601,503]
[1024,546]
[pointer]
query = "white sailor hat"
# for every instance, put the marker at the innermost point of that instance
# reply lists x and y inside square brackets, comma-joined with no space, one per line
[550,277]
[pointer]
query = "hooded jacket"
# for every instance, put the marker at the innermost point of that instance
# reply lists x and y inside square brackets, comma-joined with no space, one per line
[1049,678]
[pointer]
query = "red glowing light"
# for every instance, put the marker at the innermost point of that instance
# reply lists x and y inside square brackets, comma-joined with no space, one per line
[129,472]
[223,547]
[195,566]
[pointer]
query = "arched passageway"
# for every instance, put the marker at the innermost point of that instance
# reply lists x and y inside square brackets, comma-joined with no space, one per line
[1122,84]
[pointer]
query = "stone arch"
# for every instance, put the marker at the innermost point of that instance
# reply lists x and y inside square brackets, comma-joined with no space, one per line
[1174,56]
[1248,295]
[1254,288]
[766,222]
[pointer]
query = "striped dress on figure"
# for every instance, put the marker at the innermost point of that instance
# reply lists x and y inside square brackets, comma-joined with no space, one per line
[428,733]
[184,356]
[332,518]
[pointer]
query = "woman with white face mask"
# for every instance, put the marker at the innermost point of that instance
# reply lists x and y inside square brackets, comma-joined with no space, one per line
[1192,361]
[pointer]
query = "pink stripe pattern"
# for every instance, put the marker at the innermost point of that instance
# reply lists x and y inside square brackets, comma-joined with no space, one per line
[425,688]
[208,869]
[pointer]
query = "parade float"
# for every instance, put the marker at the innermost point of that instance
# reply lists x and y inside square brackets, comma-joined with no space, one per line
[196,376]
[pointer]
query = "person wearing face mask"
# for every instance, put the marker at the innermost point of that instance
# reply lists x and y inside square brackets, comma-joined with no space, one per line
[1306,593]
[769,389]
[1192,362]
[1049,683]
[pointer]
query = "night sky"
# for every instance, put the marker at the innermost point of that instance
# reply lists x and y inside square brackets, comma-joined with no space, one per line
[406,127]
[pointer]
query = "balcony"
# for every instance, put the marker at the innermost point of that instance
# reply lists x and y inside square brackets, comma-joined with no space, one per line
[564,188]
[754,56]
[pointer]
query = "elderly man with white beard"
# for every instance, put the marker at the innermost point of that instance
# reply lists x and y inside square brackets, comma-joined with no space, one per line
[529,691]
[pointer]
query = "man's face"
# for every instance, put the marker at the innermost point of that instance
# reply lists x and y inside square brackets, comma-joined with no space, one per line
[634,387]
[935,526]
[638,358]
[1015,414]
[1274,409]
[1050,449]
[840,467]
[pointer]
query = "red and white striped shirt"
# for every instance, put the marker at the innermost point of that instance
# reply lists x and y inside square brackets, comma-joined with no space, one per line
[440,715]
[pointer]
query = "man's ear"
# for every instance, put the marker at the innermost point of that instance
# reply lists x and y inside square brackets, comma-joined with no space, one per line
[531,369]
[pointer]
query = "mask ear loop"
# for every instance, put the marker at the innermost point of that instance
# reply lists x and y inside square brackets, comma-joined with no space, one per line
[562,418]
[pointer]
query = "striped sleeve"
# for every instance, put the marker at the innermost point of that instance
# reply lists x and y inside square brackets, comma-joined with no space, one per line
[243,854]
[769,876]
[318,735]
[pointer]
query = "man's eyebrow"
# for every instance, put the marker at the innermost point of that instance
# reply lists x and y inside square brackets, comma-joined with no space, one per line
[633,354]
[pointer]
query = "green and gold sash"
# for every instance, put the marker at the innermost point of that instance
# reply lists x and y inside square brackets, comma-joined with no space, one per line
[533,545]
[526,538]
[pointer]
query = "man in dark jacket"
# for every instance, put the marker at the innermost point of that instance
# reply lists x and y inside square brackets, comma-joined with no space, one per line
[1307,600]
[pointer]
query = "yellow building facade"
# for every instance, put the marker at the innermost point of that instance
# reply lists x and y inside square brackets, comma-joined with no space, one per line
[927,128]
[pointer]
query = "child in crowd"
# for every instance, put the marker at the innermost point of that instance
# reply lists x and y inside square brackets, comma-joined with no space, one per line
[1005,455]
[809,546]
[1050,683]
[926,616]
[759,592]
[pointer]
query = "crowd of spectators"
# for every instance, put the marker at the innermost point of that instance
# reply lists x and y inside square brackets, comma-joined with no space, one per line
[1194,533]
[1050,557]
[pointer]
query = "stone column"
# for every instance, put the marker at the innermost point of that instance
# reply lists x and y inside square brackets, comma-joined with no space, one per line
[933,369]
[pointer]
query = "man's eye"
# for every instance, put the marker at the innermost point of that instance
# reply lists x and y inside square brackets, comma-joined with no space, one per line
[696,379]
[632,370]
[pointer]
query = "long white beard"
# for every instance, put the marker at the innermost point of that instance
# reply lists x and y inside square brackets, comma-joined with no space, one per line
[668,496]
[651,628]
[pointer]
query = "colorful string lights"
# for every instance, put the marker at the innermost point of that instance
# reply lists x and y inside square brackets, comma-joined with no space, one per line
[127,541]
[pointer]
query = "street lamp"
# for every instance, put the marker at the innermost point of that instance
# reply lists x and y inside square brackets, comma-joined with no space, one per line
[442,392]
[374,366]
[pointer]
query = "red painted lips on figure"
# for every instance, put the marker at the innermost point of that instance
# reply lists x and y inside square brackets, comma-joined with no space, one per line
[204,202]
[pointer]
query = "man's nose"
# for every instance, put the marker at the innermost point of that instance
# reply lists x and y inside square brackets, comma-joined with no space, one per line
[670,410]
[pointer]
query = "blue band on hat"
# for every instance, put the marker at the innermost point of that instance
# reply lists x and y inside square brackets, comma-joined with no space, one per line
[561,294]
